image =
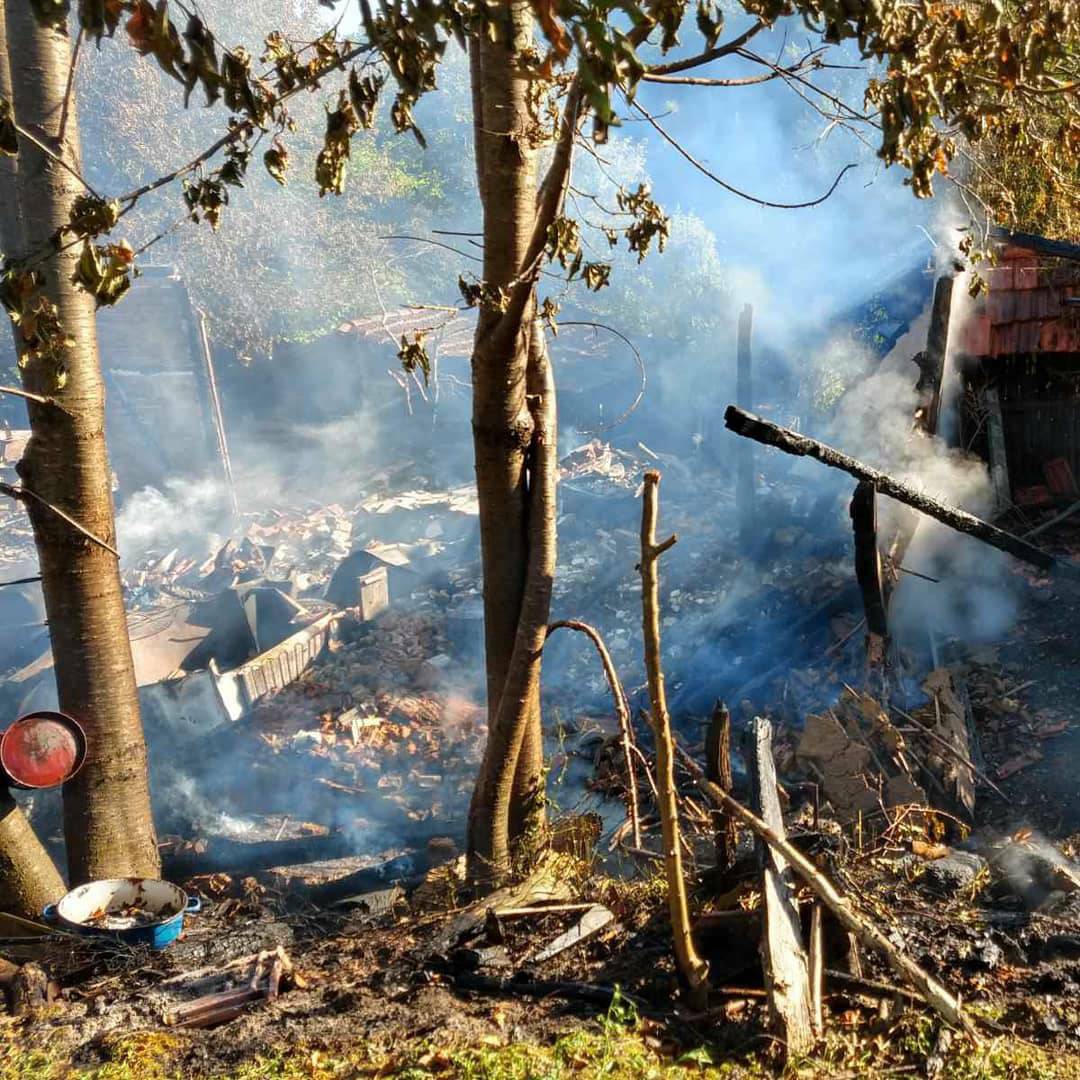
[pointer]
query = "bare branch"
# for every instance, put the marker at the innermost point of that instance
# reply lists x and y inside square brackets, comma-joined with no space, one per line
[24,494]
[707,57]
[58,158]
[38,398]
[811,60]
[672,141]
[638,359]
[69,92]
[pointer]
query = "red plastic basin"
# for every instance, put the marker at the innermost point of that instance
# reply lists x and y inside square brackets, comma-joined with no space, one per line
[41,750]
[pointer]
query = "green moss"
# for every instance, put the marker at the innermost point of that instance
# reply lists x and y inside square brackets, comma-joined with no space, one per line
[618,1048]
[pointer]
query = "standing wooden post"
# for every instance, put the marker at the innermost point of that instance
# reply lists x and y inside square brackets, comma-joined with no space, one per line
[692,967]
[744,395]
[868,574]
[783,958]
[932,362]
[718,770]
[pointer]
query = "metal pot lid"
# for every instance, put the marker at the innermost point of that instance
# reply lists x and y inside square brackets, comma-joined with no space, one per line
[42,750]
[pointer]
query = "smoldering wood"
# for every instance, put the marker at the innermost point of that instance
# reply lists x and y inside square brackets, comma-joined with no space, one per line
[867,558]
[227,856]
[955,728]
[744,395]
[718,770]
[783,957]
[791,442]
[932,363]
[573,991]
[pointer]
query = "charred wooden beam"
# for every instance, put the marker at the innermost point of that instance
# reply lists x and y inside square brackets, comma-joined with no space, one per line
[791,442]
[932,362]
[867,559]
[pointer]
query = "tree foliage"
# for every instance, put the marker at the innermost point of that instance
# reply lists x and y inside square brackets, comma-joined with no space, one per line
[997,76]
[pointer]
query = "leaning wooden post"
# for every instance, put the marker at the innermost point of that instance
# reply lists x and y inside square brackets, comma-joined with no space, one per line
[694,969]
[783,957]
[744,394]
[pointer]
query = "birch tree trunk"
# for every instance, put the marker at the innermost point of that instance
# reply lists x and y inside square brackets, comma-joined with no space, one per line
[107,820]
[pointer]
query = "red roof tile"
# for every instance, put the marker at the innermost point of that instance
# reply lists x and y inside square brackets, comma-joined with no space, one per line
[1022,311]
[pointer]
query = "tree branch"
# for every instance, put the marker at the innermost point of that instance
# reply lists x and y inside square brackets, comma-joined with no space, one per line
[69,92]
[23,494]
[810,60]
[707,57]
[672,141]
[622,711]
[27,395]
[58,158]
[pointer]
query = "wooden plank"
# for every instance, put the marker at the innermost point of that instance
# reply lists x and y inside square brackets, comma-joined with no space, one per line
[783,958]
[592,922]
[999,461]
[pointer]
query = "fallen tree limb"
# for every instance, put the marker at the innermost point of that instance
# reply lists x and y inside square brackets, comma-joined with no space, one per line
[791,442]
[931,991]
[622,711]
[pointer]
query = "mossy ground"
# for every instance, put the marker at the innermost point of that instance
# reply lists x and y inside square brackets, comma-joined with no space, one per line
[617,1047]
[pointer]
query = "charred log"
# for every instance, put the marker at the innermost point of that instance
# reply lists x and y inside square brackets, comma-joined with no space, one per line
[791,442]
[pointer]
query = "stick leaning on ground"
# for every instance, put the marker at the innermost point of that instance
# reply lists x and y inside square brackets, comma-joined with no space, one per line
[935,995]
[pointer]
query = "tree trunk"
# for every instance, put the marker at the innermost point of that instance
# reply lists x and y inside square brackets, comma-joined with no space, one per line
[507,807]
[503,432]
[28,877]
[10,220]
[107,818]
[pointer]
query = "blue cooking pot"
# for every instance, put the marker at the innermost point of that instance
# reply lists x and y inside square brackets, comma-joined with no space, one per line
[136,911]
